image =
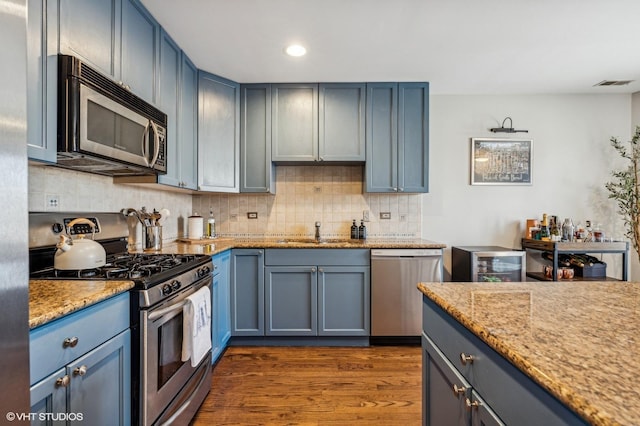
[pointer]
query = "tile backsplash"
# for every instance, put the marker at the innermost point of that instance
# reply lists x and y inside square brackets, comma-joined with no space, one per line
[332,195]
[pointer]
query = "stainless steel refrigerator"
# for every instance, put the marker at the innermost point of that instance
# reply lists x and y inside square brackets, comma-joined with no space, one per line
[14,245]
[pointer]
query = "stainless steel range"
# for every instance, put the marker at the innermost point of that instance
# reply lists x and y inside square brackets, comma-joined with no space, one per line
[165,389]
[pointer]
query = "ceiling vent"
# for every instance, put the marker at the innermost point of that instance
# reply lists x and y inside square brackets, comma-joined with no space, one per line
[613,83]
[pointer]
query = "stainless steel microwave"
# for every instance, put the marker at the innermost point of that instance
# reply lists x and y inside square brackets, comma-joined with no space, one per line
[104,128]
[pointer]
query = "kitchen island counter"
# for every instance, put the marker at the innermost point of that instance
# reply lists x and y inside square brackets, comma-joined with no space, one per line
[578,340]
[53,299]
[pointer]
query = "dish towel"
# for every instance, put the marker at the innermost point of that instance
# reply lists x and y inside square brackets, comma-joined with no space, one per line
[196,326]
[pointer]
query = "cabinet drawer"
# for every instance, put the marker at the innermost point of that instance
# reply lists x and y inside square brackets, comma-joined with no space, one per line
[511,394]
[326,257]
[91,327]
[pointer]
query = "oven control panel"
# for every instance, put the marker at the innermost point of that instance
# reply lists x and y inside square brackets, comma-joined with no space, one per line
[81,228]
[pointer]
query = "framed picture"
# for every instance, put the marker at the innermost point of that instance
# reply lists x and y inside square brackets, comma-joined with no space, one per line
[501,161]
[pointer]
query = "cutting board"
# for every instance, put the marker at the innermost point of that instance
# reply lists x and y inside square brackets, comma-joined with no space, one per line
[198,241]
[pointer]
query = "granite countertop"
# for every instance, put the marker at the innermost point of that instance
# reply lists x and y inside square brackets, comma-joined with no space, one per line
[221,244]
[53,299]
[578,340]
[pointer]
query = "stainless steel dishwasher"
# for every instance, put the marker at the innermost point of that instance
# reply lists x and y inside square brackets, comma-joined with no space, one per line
[396,303]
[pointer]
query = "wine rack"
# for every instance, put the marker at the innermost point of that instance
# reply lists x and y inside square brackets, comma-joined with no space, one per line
[556,248]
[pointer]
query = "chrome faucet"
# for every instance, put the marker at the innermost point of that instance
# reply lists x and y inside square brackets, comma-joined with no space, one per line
[317,232]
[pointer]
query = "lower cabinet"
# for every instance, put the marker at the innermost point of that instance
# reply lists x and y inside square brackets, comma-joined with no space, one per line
[220,303]
[247,292]
[327,298]
[466,382]
[80,367]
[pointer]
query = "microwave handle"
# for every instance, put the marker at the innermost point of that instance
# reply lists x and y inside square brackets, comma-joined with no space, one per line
[156,142]
[145,135]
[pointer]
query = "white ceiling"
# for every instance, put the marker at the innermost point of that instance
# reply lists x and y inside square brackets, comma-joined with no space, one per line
[459,46]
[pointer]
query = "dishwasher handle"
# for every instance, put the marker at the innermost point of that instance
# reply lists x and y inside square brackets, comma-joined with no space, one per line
[381,253]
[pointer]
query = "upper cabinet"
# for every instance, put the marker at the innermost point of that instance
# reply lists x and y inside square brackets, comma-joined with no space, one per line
[177,97]
[294,122]
[257,172]
[42,72]
[312,122]
[397,137]
[218,134]
[91,31]
[117,37]
[140,38]
[341,135]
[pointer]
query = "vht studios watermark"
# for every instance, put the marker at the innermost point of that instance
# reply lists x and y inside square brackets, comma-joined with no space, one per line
[43,417]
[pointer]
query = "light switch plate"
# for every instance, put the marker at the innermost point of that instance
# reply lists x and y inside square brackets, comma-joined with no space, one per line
[385,215]
[252,215]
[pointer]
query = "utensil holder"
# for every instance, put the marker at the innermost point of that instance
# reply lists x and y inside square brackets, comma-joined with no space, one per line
[152,238]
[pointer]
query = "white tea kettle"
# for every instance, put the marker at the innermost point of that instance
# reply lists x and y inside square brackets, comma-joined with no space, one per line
[80,253]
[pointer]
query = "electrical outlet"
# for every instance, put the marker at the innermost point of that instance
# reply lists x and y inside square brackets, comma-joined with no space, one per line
[252,215]
[233,217]
[51,202]
[403,218]
[365,215]
[317,189]
[385,215]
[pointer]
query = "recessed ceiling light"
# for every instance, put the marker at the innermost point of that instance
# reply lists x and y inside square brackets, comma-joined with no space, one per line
[295,50]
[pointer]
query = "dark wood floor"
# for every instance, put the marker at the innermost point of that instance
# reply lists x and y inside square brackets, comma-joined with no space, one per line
[315,386]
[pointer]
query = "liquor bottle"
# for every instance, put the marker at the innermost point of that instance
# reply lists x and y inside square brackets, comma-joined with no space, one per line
[211,225]
[362,231]
[554,229]
[354,230]
[545,235]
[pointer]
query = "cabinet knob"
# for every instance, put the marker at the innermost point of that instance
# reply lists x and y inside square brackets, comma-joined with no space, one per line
[62,382]
[70,342]
[464,358]
[457,391]
[395,189]
[471,405]
[313,269]
[320,270]
[80,371]
[401,189]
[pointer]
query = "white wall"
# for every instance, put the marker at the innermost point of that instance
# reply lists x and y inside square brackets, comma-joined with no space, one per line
[572,160]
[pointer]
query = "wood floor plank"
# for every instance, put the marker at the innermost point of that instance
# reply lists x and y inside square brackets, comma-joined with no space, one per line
[379,385]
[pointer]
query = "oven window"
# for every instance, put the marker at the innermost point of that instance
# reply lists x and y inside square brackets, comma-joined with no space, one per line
[169,349]
[111,129]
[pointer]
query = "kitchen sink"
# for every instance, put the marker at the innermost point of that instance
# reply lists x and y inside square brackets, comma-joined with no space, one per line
[301,241]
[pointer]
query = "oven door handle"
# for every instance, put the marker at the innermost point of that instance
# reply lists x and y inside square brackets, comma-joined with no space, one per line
[159,313]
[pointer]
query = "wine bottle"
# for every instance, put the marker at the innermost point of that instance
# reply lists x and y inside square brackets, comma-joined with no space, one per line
[545,235]
[354,230]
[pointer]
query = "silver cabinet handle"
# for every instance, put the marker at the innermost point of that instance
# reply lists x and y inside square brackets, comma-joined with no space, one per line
[62,382]
[464,358]
[80,371]
[457,391]
[70,342]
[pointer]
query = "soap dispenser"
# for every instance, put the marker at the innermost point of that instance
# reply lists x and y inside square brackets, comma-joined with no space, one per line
[354,230]
[362,231]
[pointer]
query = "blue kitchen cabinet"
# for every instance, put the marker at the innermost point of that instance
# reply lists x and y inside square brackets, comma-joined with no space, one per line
[247,292]
[397,137]
[317,292]
[91,31]
[291,300]
[81,364]
[117,37]
[218,134]
[140,38]
[344,300]
[177,97]
[257,172]
[294,122]
[341,122]
[221,304]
